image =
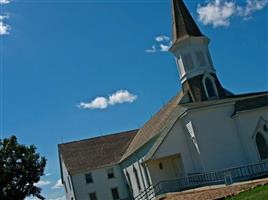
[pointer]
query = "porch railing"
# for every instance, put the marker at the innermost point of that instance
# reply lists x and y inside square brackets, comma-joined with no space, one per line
[226,176]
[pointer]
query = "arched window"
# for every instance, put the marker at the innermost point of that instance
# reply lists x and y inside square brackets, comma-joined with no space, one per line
[210,88]
[262,146]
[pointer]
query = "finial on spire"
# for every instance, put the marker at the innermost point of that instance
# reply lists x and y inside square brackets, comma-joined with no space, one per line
[183,23]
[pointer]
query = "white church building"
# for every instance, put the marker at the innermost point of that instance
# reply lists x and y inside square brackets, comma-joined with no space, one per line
[204,135]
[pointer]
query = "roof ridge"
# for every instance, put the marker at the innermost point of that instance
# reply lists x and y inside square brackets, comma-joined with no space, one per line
[99,137]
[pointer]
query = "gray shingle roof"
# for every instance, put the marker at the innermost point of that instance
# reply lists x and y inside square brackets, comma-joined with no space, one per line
[88,154]
[154,126]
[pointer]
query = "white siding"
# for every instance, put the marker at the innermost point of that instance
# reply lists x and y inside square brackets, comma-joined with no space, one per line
[101,184]
[223,140]
[178,142]
[246,123]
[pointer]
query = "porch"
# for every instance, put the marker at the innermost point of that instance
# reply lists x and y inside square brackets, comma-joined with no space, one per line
[226,176]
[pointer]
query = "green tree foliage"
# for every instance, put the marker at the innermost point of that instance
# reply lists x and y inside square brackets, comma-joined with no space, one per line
[20,168]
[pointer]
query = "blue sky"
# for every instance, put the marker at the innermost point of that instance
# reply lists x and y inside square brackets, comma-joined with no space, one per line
[58,56]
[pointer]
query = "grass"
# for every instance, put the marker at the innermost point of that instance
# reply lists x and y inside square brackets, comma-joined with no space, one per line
[258,193]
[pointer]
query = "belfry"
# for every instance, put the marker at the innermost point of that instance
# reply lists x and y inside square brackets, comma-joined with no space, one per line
[190,48]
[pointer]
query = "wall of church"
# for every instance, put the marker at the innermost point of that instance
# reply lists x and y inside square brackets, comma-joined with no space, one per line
[178,142]
[220,143]
[216,133]
[247,122]
[101,185]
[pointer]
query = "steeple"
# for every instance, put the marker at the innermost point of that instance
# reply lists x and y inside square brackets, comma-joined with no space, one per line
[183,23]
[190,48]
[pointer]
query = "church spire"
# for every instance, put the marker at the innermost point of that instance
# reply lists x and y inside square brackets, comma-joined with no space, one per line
[183,23]
[190,48]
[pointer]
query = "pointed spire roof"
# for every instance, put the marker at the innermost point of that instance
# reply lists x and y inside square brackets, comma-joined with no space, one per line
[183,23]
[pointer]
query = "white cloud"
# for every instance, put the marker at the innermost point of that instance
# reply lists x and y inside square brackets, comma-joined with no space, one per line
[4,28]
[4,1]
[152,50]
[48,174]
[56,198]
[97,103]
[162,44]
[216,12]
[164,48]
[219,12]
[42,183]
[251,7]
[161,38]
[119,97]
[57,185]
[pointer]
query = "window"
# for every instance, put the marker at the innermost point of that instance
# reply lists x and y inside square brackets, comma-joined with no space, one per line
[160,166]
[265,128]
[115,193]
[110,173]
[89,178]
[262,146]
[137,178]
[93,196]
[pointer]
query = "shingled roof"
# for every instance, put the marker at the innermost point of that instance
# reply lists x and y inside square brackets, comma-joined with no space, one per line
[183,23]
[154,126]
[88,154]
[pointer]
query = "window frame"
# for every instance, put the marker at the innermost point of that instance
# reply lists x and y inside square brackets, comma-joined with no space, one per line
[91,178]
[264,142]
[212,80]
[93,193]
[117,193]
[108,172]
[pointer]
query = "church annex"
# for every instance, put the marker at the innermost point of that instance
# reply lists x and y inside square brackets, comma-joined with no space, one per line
[204,135]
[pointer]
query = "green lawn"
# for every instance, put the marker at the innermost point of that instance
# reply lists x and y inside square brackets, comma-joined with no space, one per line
[258,193]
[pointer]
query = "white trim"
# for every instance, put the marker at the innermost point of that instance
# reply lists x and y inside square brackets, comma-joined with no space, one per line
[196,72]
[212,79]
[261,122]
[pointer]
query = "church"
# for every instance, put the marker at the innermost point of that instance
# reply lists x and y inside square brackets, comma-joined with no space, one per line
[205,135]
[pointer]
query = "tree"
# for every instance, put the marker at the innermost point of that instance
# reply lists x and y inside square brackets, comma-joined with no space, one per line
[20,168]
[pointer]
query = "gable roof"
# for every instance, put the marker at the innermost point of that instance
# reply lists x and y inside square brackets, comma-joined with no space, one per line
[89,154]
[154,126]
[246,102]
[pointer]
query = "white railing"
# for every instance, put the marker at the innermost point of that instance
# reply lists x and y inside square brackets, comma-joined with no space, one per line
[226,176]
